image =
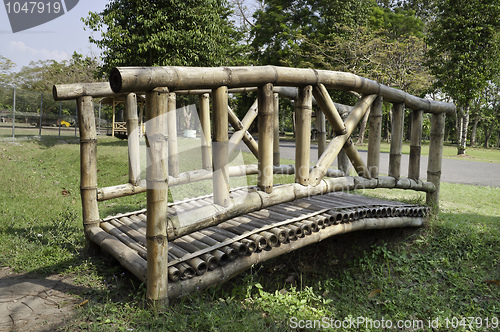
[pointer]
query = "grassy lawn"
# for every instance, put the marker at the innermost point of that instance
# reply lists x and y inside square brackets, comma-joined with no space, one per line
[448,269]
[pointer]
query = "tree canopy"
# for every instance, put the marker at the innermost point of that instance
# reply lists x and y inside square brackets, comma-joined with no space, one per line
[165,32]
[464,50]
[40,76]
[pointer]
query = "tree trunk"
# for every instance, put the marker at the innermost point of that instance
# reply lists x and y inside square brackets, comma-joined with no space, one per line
[474,130]
[463,133]
[487,135]
[362,129]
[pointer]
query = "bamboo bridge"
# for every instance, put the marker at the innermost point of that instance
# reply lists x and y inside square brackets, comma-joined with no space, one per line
[179,247]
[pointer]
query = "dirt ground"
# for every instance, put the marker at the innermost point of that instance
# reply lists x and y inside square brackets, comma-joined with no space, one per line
[35,303]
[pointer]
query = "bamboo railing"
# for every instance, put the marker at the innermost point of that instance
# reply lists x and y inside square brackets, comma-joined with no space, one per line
[307,87]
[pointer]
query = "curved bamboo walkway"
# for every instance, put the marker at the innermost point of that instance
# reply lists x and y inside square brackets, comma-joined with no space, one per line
[216,254]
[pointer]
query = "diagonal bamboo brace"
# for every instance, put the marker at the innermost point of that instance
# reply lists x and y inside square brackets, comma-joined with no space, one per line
[242,129]
[336,144]
[355,158]
[326,104]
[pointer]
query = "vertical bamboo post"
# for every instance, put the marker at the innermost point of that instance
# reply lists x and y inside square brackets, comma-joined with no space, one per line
[88,168]
[374,137]
[173,154]
[206,147]
[303,113]
[157,196]
[321,126]
[415,145]
[435,157]
[134,162]
[114,118]
[276,141]
[396,140]
[266,135]
[141,119]
[220,146]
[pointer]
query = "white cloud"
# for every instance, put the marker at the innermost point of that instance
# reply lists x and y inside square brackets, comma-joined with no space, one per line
[21,48]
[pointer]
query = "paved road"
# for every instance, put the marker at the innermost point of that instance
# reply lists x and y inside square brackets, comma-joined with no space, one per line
[453,170]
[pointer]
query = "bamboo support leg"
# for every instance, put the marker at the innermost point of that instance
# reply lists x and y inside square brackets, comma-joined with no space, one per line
[321,127]
[173,154]
[303,135]
[113,119]
[134,161]
[88,168]
[266,137]
[435,157]
[156,193]
[220,146]
[141,120]
[374,136]
[206,146]
[276,141]
[415,145]
[398,113]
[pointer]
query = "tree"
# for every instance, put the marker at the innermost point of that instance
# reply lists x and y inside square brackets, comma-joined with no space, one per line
[6,65]
[165,32]
[463,53]
[280,27]
[40,76]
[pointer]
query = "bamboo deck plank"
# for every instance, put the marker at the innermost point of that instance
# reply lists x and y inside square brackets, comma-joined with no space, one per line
[276,228]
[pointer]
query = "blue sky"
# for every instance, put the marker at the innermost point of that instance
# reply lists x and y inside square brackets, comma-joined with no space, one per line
[57,39]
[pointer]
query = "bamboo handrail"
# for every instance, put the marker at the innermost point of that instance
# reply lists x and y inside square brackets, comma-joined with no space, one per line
[136,79]
[127,189]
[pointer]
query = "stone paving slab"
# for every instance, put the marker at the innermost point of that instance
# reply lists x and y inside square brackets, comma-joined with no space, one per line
[28,303]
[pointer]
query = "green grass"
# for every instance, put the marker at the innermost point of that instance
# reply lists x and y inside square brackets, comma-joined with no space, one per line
[448,268]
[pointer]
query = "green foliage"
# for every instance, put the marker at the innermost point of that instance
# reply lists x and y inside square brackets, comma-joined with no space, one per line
[6,66]
[464,47]
[40,76]
[166,32]
[281,26]
[447,268]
